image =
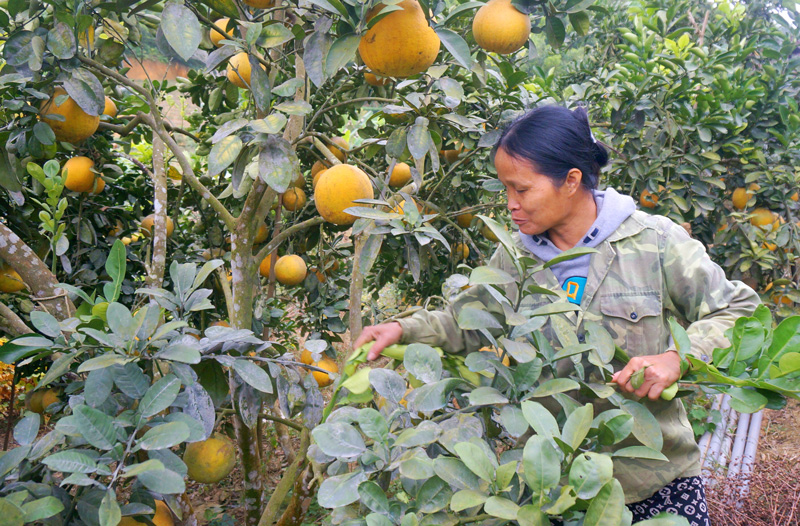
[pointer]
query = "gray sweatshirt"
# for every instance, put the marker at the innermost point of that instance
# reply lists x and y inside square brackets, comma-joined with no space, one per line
[612,209]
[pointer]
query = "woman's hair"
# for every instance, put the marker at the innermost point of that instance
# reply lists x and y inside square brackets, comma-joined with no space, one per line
[555,140]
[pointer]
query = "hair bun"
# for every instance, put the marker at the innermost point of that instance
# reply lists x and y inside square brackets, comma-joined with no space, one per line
[600,154]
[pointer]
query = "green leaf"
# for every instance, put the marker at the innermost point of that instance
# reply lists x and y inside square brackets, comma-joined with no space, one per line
[223,154]
[164,481]
[109,513]
[431,397]
[566,499]
[101,362]
[160,395]
[470,318]
[86,90]
[137,469]
[490,276]
[422,435]
[640,452]
[45,323]
[501,507]
[466,499]
[423,362]
[120,321]
[554,386]
[180,353]
[540,464]
[418,138]
[513,420]
[270,124]
[789,363]
[576,6]
[164,436]
[746,400]
[70,462]
[540,419]
[555,31]
[607,508]
[486,396]
[456,473]
[339,440]
[223,7]
[434,495]
[522,352]
[41,509]
[532,515]
[97,387]
[300,107]
[340,490]
[785,338]
[577,426]
[26,429]
[373,497]
[11,513]
[388,384]
[373,424]
[580,22]
[457,46]
[477,460]
[253,375]
[590,472]
[341,53]
[115,267]
[96,427]
[275,35]
[181,29]
[277,163]
[645,426]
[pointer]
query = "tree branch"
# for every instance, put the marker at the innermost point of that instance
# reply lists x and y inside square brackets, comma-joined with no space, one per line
[280,238]
[42,283]
[12,324]
[286,483]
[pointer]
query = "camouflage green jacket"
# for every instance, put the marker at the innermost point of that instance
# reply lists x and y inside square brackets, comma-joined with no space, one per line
[649,270]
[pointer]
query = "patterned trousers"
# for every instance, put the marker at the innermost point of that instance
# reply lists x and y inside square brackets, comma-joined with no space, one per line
[685,497]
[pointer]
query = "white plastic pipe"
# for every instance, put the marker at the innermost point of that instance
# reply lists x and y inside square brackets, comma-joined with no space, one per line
[715,443]
[706,438]
[737,452]
[727,441]
[750,449]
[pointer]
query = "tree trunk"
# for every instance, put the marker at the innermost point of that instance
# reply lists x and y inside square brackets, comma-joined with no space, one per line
[40,281]
[158,262]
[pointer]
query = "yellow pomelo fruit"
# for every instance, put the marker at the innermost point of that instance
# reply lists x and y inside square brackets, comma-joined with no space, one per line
[306,358]
[500,28]
[497,352]
[33,401]
[79,174]
[216,36]
[99,185]
[162,517]
[263,268]
[315,179]
[341,142]
[210,460]
[741,197]
[208,254]
[648,199]
[10,280]
[488,234]
[49,397]
[262,234]
[401,174]
[401,43]
[400,207]
[324,379]
[464,220]
[318,167]
[294,199]
[219,323]
[795,196]
[239,70]
[299,181]
[460,251]
[451,156]
[110,108]
[762,217]
[336,190]
[374,80]
[76,126]
[290,270]
[148,222]
[259,4]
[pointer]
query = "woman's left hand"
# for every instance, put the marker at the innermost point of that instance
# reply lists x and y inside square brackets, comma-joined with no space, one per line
[660,371]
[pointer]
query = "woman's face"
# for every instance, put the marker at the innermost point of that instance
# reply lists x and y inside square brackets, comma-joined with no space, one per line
[535,203]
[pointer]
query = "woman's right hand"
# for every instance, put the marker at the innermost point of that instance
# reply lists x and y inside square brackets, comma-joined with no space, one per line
[383,335]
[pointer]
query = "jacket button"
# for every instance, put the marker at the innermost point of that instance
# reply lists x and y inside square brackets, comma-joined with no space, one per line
[634,315]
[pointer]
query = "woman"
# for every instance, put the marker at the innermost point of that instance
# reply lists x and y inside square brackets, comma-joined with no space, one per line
[646,270]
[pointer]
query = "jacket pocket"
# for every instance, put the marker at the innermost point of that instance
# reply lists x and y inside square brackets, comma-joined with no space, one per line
[634,321]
